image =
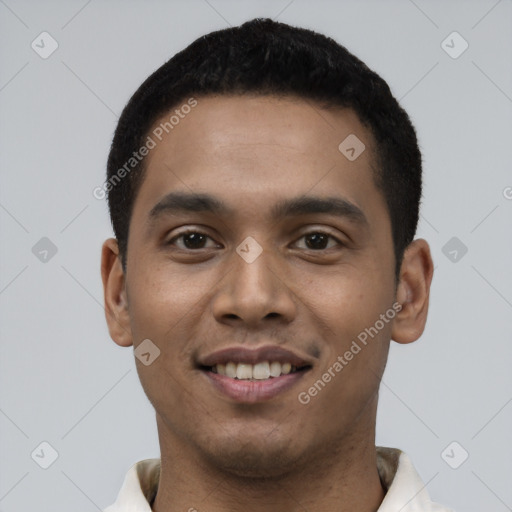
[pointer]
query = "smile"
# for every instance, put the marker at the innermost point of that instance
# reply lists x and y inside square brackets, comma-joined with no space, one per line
[260,371]
[251,375]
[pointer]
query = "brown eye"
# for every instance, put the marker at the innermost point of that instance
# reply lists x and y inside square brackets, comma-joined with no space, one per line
[194,240]
[318,240]
[190,240]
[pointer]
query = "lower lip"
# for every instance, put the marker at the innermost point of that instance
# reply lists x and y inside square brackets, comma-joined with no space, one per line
[253,391]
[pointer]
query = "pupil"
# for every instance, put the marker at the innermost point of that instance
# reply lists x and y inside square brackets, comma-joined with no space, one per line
[195,238]
[318,241]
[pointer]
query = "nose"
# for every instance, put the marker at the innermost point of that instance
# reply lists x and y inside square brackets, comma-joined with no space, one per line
[254,294]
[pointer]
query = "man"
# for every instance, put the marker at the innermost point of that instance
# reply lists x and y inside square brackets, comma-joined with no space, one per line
[264,188]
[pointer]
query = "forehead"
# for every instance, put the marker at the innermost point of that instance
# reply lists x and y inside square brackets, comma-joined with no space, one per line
[237,123]
[250,150]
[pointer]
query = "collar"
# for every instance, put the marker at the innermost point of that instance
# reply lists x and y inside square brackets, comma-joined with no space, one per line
[405,490]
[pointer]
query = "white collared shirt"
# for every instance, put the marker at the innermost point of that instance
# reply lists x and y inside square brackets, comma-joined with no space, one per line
[405,490]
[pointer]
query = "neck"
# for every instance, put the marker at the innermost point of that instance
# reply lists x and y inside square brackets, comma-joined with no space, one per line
[343,478]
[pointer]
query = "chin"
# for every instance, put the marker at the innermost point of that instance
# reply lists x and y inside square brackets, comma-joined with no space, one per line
[259,459]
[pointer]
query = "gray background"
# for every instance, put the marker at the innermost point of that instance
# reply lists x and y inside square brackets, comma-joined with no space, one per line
[65,382]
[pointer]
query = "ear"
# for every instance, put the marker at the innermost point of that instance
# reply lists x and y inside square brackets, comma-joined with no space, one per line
[114,292]
[413,292]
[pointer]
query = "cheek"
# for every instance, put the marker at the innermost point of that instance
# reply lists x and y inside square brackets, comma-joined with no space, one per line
[167,304]
[160,298]
[357,339]
[164,307]
[348,300]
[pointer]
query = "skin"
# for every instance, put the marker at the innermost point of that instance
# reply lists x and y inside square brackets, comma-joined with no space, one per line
[251,152]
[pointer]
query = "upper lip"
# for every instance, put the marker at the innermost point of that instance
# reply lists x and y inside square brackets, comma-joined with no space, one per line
[254,356]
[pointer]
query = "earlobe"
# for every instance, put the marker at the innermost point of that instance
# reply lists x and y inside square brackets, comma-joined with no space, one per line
[413,292]
[114,291]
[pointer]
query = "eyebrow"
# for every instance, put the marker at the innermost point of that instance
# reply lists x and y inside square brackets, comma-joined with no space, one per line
[185,202]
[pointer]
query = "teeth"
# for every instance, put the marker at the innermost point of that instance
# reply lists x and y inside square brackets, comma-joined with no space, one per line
[260,371]
[231,370]
[286,368]
[275,369]
[244,371]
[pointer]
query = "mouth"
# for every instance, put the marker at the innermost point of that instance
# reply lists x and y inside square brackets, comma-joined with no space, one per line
[253,375]
[255,372]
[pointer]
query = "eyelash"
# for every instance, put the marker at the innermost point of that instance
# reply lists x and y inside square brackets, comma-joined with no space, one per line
[194,231]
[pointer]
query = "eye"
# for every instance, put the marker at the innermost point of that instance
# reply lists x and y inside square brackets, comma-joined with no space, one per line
[191,240]
[318,240]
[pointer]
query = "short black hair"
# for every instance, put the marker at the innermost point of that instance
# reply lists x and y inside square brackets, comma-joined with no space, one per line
[265,57]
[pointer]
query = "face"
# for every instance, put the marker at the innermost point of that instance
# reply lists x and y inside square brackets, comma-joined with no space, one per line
[256,245]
